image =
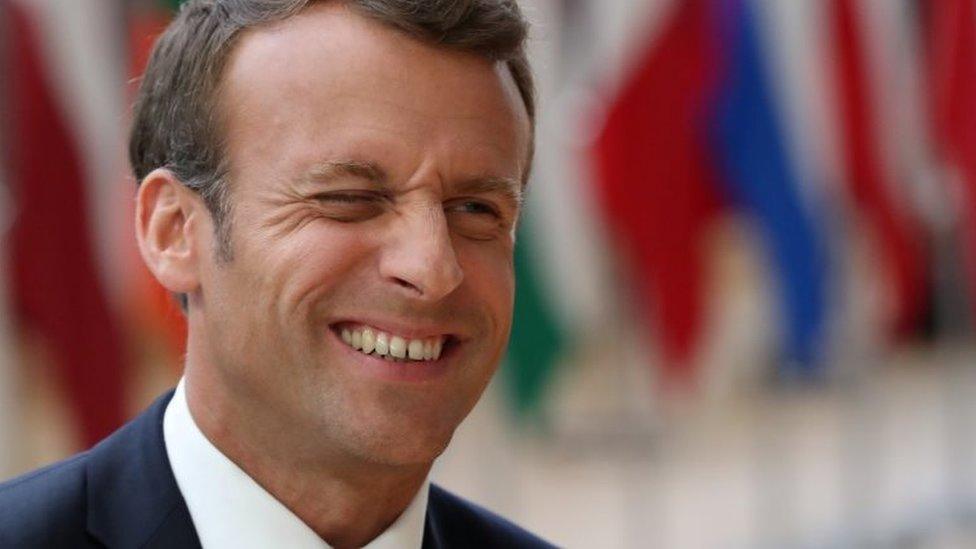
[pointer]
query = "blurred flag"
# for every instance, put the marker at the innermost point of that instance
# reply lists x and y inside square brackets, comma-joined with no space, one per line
[951,34]
[56,283]
[656,180]
[538,341]
[763,181]
[703,117]
[869,180]
[696,124]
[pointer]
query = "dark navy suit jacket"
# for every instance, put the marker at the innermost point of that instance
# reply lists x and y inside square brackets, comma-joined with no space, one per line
[122,494]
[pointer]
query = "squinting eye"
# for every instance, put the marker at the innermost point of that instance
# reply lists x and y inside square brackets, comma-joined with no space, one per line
[350,206]
[346,198]
[471,206]
[476,219]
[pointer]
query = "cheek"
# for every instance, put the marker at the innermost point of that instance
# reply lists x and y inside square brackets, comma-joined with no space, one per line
[489,274]
[315,262]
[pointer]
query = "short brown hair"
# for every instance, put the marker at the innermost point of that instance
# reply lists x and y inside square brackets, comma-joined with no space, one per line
[175,125]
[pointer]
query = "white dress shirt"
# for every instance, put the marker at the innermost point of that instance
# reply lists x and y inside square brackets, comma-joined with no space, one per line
[229,509]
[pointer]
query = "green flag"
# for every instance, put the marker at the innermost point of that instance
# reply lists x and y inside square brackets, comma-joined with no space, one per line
[537,342]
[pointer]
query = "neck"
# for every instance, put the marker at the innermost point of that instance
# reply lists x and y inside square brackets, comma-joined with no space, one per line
[346,501]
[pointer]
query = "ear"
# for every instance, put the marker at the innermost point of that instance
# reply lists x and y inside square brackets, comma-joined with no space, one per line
[167,215]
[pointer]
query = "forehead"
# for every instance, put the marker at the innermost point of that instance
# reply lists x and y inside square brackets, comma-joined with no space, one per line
[329,78]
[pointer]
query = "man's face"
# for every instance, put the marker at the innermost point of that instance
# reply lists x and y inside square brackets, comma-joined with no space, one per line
[374,183]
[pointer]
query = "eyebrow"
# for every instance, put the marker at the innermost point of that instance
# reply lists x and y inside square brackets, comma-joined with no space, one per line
[334,169]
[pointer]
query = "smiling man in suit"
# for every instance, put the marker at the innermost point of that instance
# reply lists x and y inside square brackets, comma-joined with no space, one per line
[332,188]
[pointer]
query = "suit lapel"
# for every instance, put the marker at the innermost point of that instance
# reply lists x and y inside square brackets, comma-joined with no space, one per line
[133,499]
[176,530]
[433,527]
[432,534]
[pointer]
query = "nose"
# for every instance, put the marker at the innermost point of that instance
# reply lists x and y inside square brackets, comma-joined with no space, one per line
[421,259]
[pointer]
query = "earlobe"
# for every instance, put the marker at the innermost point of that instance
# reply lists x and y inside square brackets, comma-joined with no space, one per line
[165,214]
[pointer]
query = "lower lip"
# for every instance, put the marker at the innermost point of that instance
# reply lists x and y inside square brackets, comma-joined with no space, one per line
[406,371]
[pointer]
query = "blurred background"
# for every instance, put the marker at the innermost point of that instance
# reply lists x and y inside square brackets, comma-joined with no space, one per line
[747,270]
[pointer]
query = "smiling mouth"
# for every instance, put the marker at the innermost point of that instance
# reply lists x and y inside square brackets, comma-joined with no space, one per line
[374,342]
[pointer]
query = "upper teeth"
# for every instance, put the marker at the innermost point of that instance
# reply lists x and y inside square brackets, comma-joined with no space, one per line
[373,341]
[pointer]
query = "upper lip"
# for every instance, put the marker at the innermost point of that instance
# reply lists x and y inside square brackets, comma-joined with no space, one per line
[403,328]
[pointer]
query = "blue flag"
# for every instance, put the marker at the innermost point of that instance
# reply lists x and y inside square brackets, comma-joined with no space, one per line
[761,180]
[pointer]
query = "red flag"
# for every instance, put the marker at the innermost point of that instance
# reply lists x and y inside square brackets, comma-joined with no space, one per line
[894,227]
[655,180]
[55,283]
[952,36]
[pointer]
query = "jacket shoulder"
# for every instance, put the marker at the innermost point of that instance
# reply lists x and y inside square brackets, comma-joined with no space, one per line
[456,522]
[46,507]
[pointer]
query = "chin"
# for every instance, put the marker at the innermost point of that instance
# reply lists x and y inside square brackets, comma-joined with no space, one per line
[403,428]
[404,450]
[406,438]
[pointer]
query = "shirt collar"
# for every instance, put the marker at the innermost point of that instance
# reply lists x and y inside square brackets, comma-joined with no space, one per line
[230,509]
